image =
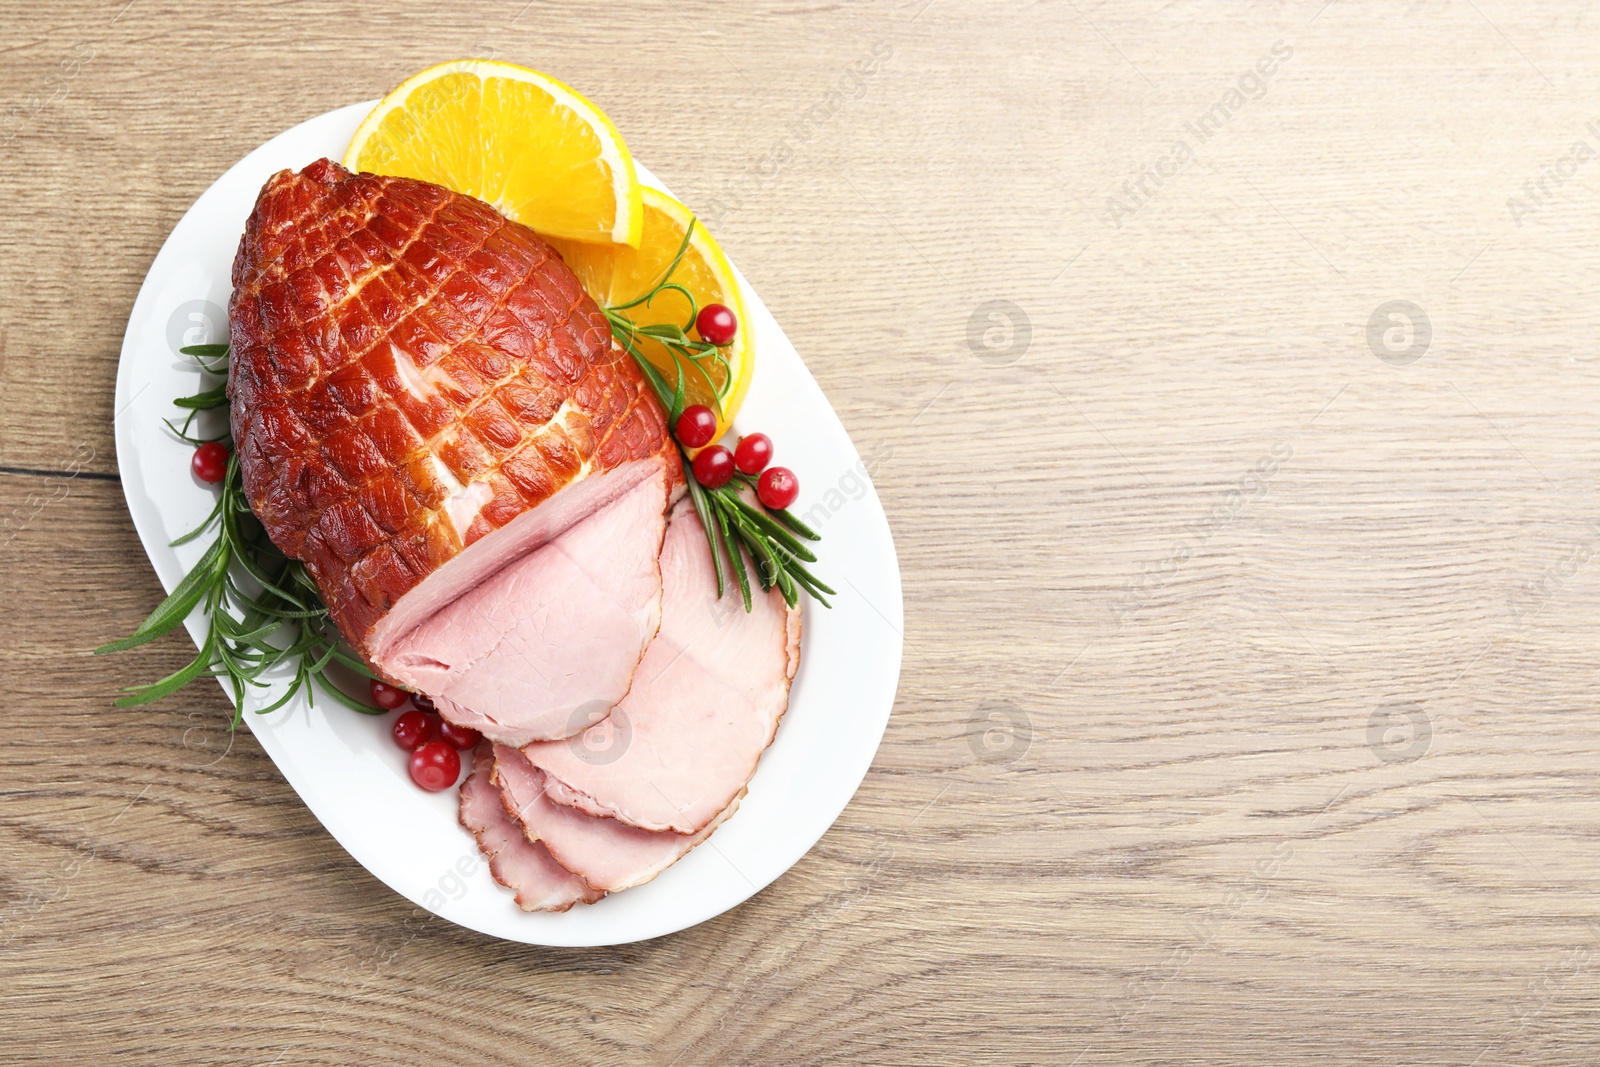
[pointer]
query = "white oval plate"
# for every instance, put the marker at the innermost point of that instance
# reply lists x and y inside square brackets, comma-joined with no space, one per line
[346,767]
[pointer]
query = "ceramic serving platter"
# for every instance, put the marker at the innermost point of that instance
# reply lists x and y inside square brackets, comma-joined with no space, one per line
[346,767]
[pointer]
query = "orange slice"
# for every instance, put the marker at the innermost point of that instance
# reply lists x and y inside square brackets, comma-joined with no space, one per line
[615,275]
[520,140]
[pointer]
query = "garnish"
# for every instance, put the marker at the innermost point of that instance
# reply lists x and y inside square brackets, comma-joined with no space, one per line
[734,527]
[753,454]
[421,732]
[697,426]
[713,467]
[717,323]
[414,728]
[250,632]
[386,696]
[777,488]
[435,765]
[210,462]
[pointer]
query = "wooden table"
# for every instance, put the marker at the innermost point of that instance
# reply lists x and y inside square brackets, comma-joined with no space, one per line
[1229,374]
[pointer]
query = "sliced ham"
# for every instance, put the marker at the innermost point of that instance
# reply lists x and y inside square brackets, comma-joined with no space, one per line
[704,704]
[522,865]
[421,394]
[605,853]
[545,646]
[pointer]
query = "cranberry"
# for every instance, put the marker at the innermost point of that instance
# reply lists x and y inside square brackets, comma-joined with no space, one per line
[435,766]
[415,728]
[422,703]
[714,467]
[387,697]
[210,462]
[459,736]
[778,488]
[717,324]
[696,426]
[753,454]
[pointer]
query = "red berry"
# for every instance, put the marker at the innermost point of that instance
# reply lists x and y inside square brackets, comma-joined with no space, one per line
[435,766]
[210,462]
[422,703]
[778,488]
[754,453]
[696,426]
[713,467]
[415,728]
[717,324]
[459,736]
[387,697]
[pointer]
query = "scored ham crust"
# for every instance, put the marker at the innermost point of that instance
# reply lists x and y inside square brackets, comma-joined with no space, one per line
[413,374]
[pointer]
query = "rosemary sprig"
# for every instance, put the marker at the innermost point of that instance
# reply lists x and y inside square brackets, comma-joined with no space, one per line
[736,523]
[249,632]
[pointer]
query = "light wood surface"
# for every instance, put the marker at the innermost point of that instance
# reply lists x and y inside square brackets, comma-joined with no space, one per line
[1249,707]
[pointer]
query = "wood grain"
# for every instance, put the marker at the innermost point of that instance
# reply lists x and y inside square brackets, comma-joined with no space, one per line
[1248,713]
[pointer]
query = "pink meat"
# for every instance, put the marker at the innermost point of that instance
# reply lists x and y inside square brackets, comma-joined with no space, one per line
[518,863]
[605,853]
[704,704]
[544,646]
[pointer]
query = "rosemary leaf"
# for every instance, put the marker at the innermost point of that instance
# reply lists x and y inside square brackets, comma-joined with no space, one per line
[144,694]
[205,351]
[288,694]
[206,400]
[177,606]
[702,508]
[211,520]
[725,537]
[788,517]
[759,517]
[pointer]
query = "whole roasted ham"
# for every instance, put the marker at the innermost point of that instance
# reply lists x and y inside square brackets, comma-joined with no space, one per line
[422,396]
[430,413]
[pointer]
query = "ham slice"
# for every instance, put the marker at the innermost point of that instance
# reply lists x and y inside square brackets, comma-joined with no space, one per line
[605,853]
[522,865]
[704,704]
[545,646]
[422,394]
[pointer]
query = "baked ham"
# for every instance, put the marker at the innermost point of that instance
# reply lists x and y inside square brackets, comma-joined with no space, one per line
[423,395]
[521,865]
[576,615]
[681,747]
[704,705]
[606,854]
[430,413]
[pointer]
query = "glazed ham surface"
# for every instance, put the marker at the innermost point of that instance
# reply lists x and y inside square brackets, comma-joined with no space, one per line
[422,394]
